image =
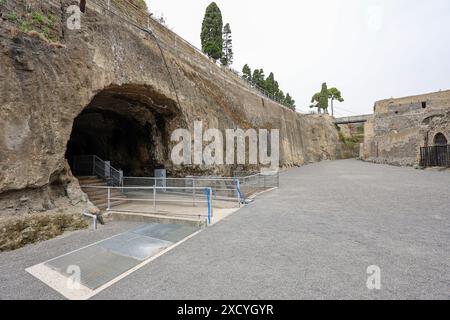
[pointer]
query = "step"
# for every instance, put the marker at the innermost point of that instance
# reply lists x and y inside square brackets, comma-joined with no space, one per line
[98,183]
[91,182]
[104,206]
[97,192]
[105,200]
[86,177]
[85,180]
[104,197]
[150,218]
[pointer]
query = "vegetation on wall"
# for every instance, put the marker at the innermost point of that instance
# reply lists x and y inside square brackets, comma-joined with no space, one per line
[35,23]
[140,4]
[351,136]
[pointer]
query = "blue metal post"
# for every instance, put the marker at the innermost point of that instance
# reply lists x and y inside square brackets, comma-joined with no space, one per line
[208,197]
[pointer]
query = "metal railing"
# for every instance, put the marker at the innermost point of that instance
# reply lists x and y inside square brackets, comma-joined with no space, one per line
[435,156]
[181,196]
[91,165]
[261,180]
[222,188]
[167,201]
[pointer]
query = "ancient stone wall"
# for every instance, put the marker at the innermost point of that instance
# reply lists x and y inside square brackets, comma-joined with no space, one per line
[401,126]
[351,135]
[48,78]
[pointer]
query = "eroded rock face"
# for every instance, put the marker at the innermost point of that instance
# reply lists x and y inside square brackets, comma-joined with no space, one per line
[18,232]
[109,66]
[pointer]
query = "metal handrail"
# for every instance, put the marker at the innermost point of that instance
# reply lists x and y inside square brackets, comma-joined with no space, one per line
[153,191]
[98,167]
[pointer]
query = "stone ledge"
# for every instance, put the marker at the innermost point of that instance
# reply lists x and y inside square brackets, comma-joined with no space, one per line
[17,232]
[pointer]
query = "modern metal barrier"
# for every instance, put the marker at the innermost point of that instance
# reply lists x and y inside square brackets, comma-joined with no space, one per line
[222,188]
[190,197]
[91,165]
[169,201]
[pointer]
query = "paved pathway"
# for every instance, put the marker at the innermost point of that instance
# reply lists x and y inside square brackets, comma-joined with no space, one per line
[312,239]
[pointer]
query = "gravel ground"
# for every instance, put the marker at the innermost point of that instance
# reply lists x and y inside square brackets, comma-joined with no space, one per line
[311,239]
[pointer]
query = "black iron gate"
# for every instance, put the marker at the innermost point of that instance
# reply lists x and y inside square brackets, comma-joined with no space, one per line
[436,156]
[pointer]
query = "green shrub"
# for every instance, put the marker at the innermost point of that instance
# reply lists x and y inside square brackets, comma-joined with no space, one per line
[12,17]
[25,26]
[38,17]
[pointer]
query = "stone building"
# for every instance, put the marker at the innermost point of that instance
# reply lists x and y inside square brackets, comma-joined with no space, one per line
[400,127]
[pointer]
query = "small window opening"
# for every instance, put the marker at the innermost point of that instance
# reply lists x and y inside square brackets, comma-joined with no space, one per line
[424,105]
[83,6]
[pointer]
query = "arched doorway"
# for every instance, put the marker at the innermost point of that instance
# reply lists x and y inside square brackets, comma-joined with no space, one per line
[127,126]
[441,151]
[440,140]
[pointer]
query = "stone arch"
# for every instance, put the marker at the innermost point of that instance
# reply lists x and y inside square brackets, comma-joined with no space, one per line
[440,139]
[129,125]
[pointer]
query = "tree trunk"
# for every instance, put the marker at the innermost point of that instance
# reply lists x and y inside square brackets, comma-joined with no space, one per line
[332,109]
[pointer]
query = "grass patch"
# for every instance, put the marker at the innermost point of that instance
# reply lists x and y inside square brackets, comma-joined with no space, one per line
[12,17]
[35,21]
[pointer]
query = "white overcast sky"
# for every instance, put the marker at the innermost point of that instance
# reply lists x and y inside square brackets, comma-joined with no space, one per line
[370,49]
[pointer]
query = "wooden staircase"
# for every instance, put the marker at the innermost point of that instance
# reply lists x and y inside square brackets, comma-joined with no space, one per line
[99,196]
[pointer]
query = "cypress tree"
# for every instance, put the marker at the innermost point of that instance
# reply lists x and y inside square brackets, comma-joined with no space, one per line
[323,98]
[211,35]
[227,55]
[276,89]
[289,101]
[270,84]
[258,78]
[247,73]
[280,96]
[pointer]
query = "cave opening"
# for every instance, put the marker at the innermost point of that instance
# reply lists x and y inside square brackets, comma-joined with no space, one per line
[127,126]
